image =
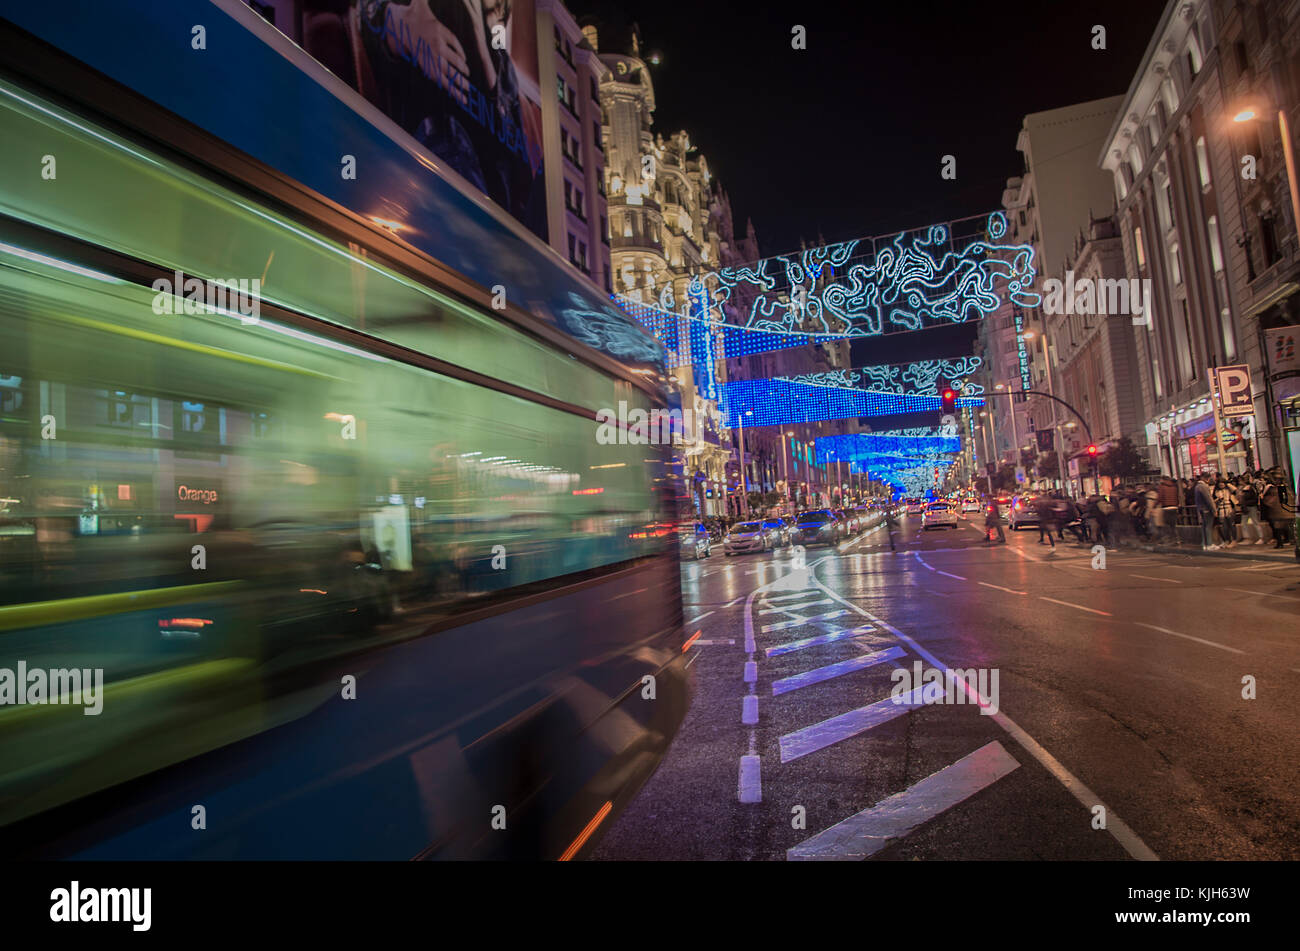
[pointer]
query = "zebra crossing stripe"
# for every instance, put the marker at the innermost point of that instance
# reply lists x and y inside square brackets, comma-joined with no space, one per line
[799,622]
[810,604]
[829,732]
[863,835]
[799,645]
[831,671]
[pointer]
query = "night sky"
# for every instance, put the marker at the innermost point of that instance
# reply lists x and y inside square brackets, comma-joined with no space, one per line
[844,139]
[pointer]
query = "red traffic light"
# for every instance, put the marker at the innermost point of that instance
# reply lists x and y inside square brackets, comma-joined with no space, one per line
[948,400]
[1092,450]
[950,394]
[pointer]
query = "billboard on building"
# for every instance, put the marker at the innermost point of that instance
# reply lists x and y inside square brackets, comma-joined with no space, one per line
[1283,354]
[459,76]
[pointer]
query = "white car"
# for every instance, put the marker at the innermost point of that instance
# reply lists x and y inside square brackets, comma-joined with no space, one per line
[970,505]
[939,515]
[915,507]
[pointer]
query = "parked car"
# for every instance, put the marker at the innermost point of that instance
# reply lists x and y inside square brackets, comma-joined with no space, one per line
[816,527]
[779,532]
[695,540]
[747,537]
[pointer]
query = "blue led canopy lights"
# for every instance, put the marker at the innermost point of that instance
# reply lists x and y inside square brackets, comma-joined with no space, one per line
[867,445]
[921,377]
[780,402]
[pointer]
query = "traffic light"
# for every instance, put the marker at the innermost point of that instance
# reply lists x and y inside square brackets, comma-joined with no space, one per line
[1092,452]
[948,400]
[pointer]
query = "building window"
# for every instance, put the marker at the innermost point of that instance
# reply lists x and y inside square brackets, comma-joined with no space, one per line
[1121,189]
[604,230]
[566,95]
[577,253]
[1268,237]
[1216,249]
[596,137]
[1135,157]
[1203,163]
[1175,265]
[1164,203]
[571,147]
[595,92]
[1170,96]
[1194,61]
[573,199]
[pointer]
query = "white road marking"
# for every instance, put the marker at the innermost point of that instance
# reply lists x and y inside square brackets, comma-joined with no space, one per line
[749,709]
[694,658]
[829,732]
[799,622]
[751,671]
[1154,578]
[751,779]
[731,604]
[791,610]
[1079,607]
[831,671]
[700,618]
[871,830]
[819,639]
[1116,826]
[1000,588]
[706,642]
[800,596]
[918,557]
[1199,640]
[1264,593]
[950,574]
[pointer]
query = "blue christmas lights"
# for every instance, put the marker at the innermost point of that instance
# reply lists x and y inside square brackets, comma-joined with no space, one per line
[778,402]
[920,378]
[865,445]
[919,278]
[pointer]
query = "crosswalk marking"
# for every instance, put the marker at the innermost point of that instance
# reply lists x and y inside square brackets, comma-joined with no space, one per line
[799,622]
[831,671]
[795,607]
[829,732]
[800,596]
[863,835]
[819,639]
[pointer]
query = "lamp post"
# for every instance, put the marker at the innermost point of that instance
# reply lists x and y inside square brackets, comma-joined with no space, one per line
[1051,391]
[744,488]
[785,463]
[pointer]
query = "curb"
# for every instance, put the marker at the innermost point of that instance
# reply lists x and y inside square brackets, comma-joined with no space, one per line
[1233,555]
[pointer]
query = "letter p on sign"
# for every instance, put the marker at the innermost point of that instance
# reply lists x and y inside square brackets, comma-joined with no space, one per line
[1233,384]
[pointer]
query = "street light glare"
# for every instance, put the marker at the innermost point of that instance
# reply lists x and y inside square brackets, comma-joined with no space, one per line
[1245,115]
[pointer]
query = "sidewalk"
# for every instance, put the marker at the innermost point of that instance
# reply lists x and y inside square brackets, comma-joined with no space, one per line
[1266,552]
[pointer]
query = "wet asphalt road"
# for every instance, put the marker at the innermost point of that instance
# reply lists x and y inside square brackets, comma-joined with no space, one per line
[1121,729]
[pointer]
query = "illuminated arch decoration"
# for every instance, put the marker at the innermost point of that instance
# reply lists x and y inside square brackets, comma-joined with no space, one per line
[928,277]
[866,445]
[920,378]
[778,402]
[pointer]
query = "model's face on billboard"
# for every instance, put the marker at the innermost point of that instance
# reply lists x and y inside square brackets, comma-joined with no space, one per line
[495,11]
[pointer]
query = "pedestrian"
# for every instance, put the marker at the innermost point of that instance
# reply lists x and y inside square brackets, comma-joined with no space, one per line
[1273,502]
[993,519]
[1225,512]
[1167,499]
[1205,509]
[1043,506]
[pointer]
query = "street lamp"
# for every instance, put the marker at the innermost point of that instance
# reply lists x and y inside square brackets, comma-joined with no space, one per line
[744,488]
[1248,114]
[785,462]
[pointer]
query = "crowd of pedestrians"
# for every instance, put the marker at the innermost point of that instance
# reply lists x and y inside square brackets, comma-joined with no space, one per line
[1229,510]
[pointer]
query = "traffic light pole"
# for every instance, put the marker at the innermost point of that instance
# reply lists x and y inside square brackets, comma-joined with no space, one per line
[1052,396]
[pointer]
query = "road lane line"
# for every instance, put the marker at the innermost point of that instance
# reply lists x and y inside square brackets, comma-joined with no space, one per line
[694,658]
[819,639]
[951,575]
[1134,574]
[831,671]
[751,672]
[751,779]
[706,642]
[1079,607]
[749,710]
[872,830]
[1117,827]
[918,557]
[1000,588]
[1264,593]
[829,732]
[700,618]
[800,622]
[733,603]
[1199,640]
[782,599]
[790,610]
